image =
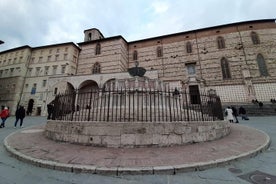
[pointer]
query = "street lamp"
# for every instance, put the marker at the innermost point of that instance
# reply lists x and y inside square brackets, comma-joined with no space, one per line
[1,42]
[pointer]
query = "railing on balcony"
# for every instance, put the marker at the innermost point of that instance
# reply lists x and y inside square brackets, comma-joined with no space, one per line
[137,105]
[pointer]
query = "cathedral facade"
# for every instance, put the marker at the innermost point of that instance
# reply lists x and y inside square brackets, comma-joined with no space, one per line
[236,61]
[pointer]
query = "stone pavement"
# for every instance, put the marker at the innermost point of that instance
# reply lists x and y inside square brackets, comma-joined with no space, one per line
[264,161]
[32,146]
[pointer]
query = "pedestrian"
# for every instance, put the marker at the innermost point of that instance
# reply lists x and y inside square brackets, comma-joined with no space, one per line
[242,112]
[50,109]
[261,105]
[229,114]
[235,114]
[19,115]
[5,113]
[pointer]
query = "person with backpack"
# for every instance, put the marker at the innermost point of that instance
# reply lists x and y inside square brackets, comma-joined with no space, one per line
[5,113]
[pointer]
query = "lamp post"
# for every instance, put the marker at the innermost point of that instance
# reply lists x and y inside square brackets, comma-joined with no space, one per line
[1,42]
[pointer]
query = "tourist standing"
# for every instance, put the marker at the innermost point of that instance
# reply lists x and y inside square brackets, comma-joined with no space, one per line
[5,113]
[19,115]
[229,114]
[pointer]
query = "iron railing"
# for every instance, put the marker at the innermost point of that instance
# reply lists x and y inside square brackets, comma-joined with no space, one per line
[137,105]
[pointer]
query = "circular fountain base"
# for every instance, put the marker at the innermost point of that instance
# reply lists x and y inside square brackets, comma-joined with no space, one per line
[135,134]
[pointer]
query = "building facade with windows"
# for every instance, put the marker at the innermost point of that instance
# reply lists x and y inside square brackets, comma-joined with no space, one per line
[237,61]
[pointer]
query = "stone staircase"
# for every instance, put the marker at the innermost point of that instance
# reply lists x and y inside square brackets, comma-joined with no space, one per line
[268,108]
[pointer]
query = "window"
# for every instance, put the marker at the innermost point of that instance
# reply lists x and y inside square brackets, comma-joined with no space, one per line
[33,91]
[63,68]
[262,65]
[50,51]
[41,96]
[189,47]
[49,58]
[74,59]
[30,72]
[37,71]
[221,42]
[55,70]
[11,71]
[18,70]
[26,86]
[89,36]
[46,71]
[55,91]
[44,83]
[56,57]
[225,69]
[66,49]
[98,49]
[57,50]
[65,56]
[1,73]
[40,59]
[255,38]
[191,68]
[135,55]
[159,51]
[14,60]
[32,60]
[96,68]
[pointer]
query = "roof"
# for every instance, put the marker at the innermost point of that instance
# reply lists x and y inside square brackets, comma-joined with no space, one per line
[56,45]
[17,48]
[208,28]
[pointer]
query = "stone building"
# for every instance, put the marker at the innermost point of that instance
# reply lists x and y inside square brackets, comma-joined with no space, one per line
[237,61]
[25,72]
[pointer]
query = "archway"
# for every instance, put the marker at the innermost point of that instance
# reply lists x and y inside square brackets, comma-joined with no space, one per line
[30,107]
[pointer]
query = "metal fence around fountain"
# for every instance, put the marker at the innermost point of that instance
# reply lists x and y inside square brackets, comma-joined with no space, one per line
[137,105]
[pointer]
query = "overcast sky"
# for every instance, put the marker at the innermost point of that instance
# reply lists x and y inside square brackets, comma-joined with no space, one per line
[44,22]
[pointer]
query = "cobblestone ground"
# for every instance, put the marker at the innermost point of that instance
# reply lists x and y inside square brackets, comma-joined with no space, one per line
[17,172]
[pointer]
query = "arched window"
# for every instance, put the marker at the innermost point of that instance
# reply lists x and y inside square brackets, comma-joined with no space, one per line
[98,49]
[225,69]
[255,38]
[262,65]
[189,47]
[96,68]
[221,42]
[89,36]
[135,55]
[159,51]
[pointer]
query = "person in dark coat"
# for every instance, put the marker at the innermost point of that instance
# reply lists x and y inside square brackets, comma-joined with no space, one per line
[19,115]
[235,114]
[242,112]
[50,110]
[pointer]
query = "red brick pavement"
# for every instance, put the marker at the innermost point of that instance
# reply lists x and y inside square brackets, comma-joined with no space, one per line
[241,142]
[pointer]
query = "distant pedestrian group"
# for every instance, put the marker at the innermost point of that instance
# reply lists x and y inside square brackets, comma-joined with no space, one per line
[19,116]
[232,114]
